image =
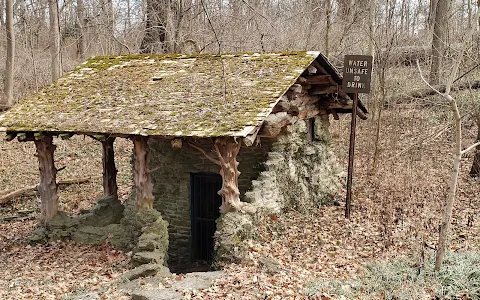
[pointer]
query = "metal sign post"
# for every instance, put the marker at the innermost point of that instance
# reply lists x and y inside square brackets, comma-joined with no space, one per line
[357,75]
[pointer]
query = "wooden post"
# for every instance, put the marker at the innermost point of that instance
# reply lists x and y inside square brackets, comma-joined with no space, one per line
[109,170]
[351,155]
[226,150]
[141,175]
[48,178]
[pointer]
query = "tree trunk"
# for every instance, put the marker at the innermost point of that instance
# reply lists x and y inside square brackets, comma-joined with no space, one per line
[8,89]
[2,9]
[81,48]
[48,178]
[108,28]
[54,39]
[438,41]
[447,216]
[475,169]
[109,170]
[371,28]
[227,150]
[431,14]
[141,175]
[328,25]
[155,34]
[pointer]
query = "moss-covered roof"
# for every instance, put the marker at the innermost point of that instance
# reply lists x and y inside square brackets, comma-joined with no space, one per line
[165,95]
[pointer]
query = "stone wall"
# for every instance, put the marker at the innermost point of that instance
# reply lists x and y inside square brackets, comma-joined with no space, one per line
[299,174]
[171,183]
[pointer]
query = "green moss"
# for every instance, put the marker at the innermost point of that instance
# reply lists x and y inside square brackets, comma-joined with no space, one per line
[116,94]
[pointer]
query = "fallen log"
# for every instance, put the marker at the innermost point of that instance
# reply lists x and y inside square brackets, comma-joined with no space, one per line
[4,199]
[427,92]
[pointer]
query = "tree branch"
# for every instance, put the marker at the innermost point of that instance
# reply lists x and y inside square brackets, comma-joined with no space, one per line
[424,80]
[470,148]
[199,148]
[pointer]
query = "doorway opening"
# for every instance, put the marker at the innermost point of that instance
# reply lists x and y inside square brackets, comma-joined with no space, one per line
[205,205]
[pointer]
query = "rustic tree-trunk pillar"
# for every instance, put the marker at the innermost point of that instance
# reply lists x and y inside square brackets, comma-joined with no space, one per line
[48,178]
[226,151]
[110,187]
[141,175]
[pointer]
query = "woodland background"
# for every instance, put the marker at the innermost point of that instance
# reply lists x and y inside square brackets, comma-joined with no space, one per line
[404,153]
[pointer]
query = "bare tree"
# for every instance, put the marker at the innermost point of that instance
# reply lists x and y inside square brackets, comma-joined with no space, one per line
[8,90]
[2,8]
[458,153]
[431,14]
[438,41]
[54,39]
[81,45]
[328,25]
[155,33]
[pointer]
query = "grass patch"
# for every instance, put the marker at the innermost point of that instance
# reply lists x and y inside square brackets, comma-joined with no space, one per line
[404,279]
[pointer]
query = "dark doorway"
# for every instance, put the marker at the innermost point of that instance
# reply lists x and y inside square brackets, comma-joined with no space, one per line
[205,204]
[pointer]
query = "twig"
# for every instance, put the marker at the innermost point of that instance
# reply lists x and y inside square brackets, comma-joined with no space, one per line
[436,135]
[470,148]
[154,169]
[219,52]
[466,73]
[255,11]
[124,45]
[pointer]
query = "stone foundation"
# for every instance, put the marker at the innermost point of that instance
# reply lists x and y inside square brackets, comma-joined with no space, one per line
[109,221]
[299,174]
[171,186]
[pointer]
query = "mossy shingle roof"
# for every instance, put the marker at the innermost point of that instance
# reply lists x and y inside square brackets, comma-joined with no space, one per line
[164,95]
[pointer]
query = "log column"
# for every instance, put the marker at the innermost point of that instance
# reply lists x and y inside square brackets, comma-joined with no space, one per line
[110,187]
[48,178]
[226,151]
[141,175]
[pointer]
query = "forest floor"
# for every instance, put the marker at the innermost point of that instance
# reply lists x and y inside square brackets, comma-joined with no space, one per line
[397,210]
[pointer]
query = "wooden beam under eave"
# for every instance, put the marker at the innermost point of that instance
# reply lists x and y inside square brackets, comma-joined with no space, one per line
[10,136]
[142,178]
[317,79]
[110,187]
[348,106]
[319,90]
[48,178]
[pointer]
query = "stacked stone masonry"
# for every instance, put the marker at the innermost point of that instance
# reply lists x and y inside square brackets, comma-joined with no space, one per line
[171,184]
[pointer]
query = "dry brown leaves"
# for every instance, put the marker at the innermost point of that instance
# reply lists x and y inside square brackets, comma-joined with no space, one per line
[55,269]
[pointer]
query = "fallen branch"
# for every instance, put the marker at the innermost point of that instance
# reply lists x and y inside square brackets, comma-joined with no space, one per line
[431,91]
[4,199]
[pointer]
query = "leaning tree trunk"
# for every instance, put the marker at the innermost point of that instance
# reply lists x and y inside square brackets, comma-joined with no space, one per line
[48,178]
[447,215]
[141,175]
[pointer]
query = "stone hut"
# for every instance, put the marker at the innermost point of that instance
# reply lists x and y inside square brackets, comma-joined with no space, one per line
[219,141]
